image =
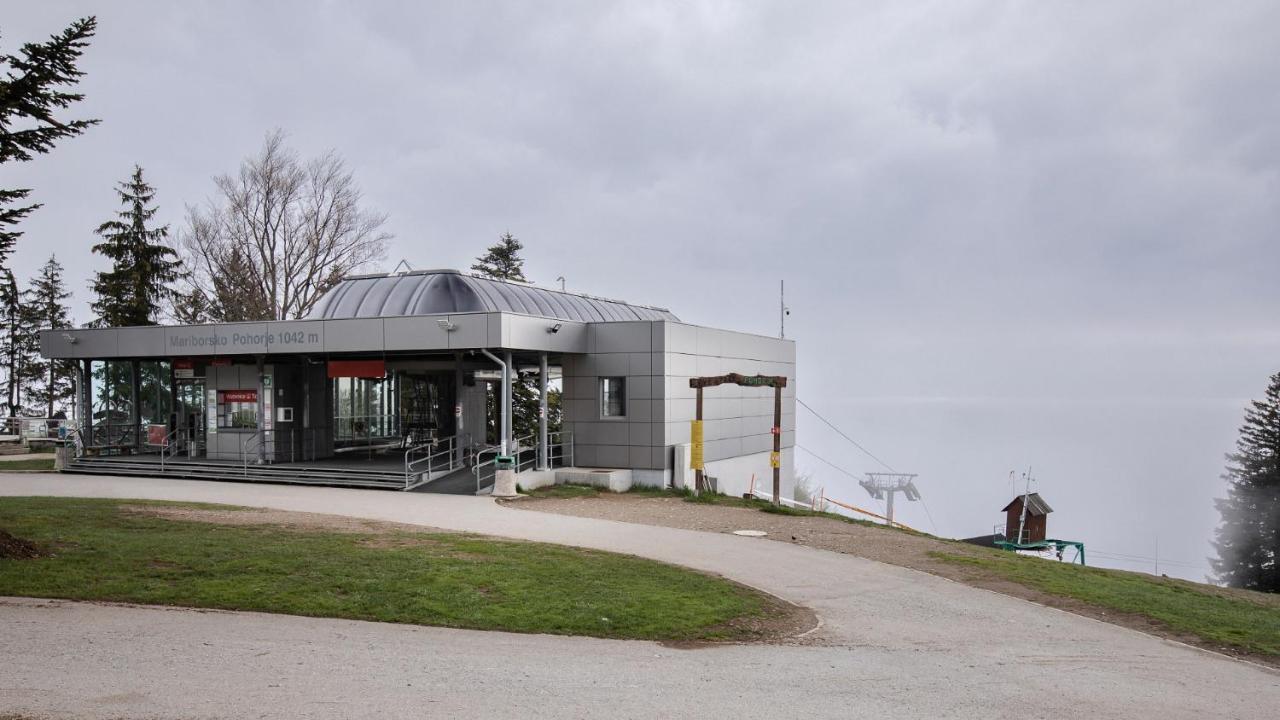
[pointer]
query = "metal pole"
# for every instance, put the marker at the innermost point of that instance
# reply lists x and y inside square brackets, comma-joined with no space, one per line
[1022,518]
[262,438]
[782,308]
[458,425]
[777,444]
[697,474]
[889,506]
[508,433]
[135,406]
[543,450]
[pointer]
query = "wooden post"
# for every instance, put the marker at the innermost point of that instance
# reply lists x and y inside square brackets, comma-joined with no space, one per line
[698,479]
[777,444]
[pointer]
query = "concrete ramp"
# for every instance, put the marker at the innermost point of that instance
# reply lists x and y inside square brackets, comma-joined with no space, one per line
[459,482]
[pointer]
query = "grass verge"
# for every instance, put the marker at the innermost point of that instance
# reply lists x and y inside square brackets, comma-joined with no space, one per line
[27,464]
[706,498]
[1235,619]
[98,550]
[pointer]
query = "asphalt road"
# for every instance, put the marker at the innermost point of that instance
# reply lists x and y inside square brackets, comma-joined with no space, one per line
[894,642]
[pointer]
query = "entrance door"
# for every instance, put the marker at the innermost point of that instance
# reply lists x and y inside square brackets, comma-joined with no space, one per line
[191,418]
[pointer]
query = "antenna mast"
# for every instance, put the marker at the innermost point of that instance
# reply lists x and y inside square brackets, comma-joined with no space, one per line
[1022,519]
[782,309]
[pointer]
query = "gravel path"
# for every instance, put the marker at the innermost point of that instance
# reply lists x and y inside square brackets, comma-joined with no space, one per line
[904,549]
[893,642]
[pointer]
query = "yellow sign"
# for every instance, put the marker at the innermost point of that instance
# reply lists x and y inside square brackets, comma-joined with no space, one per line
[775,460]
[695,445]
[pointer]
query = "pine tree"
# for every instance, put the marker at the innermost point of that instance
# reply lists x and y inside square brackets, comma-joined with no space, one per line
[1249,538]
[31,93]
[20,346]
[142,266]
[48,382]
[10,309]
[502,261]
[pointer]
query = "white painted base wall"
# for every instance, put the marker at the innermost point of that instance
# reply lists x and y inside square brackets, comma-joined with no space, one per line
[614,480]
[733,475]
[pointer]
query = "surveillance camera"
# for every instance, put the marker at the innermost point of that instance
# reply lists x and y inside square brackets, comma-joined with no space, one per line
[71,339]
[446,325]
[554,328]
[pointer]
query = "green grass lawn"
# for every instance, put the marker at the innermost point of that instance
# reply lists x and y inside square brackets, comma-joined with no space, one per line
[28,464]
[707,498]
[1240,619]
[99,552]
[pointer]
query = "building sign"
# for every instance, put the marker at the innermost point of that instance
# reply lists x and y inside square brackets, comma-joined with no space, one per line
[268,403]
[211,411]
[158,435]
[240,396]
[184,369]
[775,460]
[248,338]
[695,445]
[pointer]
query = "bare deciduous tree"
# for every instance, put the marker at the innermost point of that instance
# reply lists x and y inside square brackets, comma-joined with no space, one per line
[278,235]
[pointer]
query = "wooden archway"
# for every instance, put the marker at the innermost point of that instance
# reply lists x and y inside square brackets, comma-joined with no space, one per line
[777,382]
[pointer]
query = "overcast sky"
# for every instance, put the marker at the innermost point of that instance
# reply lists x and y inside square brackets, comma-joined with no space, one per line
[1013,234]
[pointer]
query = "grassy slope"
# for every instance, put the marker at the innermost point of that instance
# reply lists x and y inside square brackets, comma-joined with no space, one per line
[1249,621]
[1238,619]
[28,464]
[101,553]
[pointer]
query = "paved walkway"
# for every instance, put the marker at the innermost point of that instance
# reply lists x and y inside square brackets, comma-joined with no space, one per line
[894,642]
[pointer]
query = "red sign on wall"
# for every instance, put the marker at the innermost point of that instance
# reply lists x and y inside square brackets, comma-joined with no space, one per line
[157,434]
[240,396]
[357,368]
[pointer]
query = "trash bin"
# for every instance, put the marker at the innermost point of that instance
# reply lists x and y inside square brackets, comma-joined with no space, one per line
[504,476]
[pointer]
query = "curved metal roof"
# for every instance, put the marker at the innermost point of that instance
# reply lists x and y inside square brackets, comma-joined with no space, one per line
[441,292]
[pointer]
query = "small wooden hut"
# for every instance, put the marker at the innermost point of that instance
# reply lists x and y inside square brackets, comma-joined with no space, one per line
[1034,527]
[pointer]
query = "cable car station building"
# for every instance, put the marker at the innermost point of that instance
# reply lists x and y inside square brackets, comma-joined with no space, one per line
[386,384]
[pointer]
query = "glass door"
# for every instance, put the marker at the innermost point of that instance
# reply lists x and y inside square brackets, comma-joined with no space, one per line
[191,418]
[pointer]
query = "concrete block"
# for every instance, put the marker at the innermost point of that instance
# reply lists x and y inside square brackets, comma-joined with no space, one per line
[614,480]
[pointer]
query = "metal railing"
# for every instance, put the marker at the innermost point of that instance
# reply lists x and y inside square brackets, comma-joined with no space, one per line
[525,451]
[252,441]
[560,447]
[168,446]
[418,471]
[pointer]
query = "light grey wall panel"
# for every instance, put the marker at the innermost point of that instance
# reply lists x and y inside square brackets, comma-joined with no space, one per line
[414,333]
[472,332]
[353,335]
[141,341]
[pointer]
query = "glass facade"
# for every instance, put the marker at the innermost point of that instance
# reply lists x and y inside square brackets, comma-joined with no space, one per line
[112,400]
[365,409]
[403,406]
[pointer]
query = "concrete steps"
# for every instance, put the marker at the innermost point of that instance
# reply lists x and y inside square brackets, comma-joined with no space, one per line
[196,470]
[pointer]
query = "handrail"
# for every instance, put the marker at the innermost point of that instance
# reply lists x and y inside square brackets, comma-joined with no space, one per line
[256,439]
[450,451]
[167,443]
[564,445]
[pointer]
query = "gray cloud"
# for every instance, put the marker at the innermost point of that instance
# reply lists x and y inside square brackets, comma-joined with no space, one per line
[1012,233]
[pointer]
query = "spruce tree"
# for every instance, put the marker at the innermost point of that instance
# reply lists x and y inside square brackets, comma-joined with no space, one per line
[1248,539]
[10,309]
[48,382]
[32,91]
[142,266]
[502,261]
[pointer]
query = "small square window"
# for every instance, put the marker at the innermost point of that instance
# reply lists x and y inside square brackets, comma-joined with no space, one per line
[613,397]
